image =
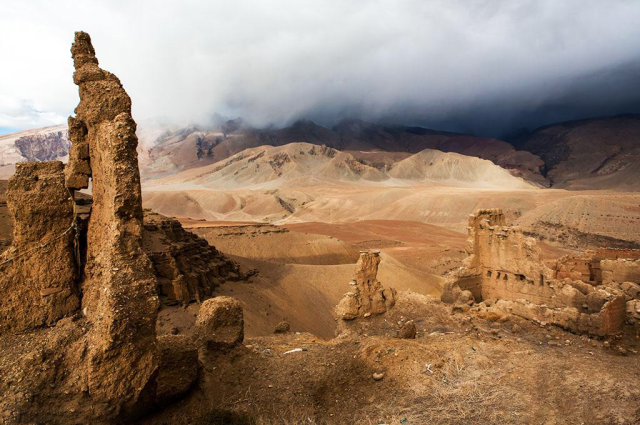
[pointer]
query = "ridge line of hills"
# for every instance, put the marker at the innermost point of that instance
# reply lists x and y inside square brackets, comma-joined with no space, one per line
[599,153]
[305,164]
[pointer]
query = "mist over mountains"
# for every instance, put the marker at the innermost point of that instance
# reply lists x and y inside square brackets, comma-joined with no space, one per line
[487,68]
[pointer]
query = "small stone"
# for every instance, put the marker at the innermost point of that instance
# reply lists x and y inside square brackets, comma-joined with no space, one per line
[607,344]
[407,331]
[174,331]
[515,329]
[377,376]
[282,327]
[367,314]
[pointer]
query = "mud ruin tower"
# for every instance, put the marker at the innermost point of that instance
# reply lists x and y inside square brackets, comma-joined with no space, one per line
[367,296]
[119,288]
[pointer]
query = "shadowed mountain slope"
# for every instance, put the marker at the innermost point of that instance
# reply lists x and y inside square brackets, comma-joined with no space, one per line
[602,153]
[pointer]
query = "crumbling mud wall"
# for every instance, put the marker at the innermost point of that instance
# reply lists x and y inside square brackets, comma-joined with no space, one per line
[578,267]
[620,271]
[38,272]
[506,265]
[186,266]
[119,296]
[367,295]
[616,264]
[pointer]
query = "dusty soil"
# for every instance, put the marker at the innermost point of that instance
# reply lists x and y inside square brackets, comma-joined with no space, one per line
[462,368]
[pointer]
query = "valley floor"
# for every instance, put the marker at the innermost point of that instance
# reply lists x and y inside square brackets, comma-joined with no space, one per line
[305,268]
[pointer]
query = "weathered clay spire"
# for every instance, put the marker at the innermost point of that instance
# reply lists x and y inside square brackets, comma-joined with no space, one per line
[367,295]
[119,296]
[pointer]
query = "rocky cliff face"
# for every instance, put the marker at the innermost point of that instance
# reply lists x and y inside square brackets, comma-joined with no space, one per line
[186,266]
[44,147]
[41,144]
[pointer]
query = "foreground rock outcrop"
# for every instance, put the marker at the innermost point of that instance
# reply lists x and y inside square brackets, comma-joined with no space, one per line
[507,266]
[178,368]
[367,295]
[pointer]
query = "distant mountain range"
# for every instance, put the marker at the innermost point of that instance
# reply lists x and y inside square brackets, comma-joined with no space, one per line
[193,147]
[306,164]
[601,153]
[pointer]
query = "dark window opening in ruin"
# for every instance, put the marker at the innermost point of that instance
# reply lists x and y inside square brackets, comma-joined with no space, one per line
[489,273]
[506,276]
[520,276]
[592,273]
[499,275]
[541,280]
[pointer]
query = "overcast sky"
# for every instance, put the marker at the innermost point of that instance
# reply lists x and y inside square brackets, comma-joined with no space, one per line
[486,67]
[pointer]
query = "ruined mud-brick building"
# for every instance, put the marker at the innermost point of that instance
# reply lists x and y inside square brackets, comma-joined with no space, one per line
[507,267]
[82,281]
[603,265]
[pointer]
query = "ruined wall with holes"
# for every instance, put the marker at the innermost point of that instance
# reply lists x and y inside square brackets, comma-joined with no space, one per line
[506,265]
[578,267]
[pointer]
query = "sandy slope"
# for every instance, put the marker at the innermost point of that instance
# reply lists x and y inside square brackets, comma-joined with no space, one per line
[615,214]
[304,268]
[304,164]
[453,169]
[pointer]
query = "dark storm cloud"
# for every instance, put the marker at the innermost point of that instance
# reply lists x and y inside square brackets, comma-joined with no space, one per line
[488,67]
